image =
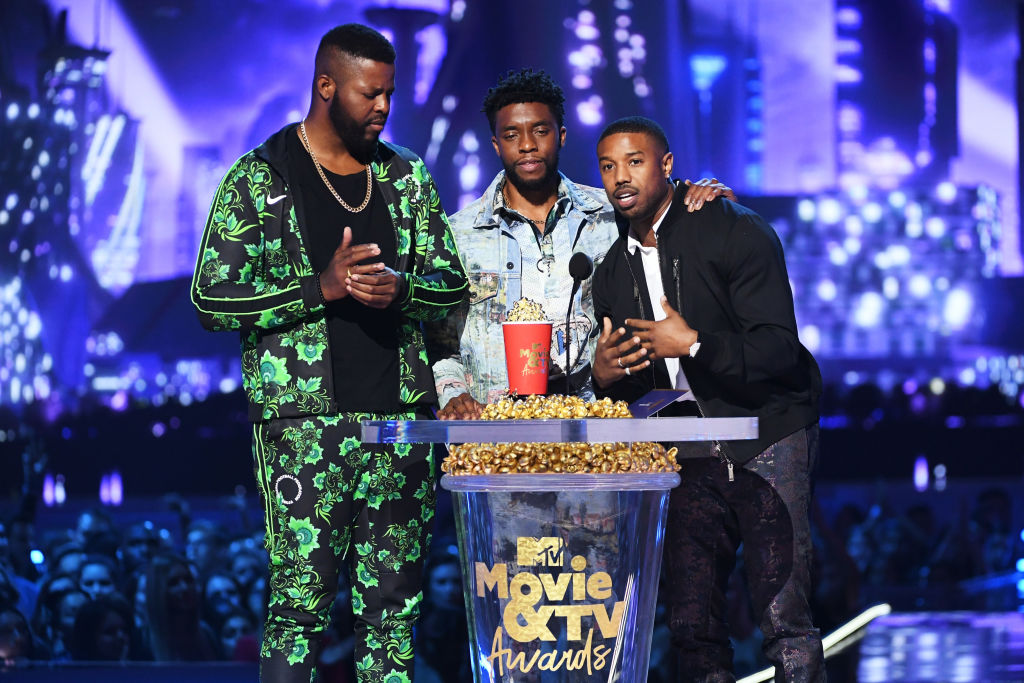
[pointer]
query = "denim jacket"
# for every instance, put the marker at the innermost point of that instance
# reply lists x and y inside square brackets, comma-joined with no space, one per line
[506,259]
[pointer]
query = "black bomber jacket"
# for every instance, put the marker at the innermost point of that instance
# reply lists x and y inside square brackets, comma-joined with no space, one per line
[724,271]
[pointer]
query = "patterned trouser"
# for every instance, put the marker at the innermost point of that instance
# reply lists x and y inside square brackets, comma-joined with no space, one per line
[325,493]
[766,509]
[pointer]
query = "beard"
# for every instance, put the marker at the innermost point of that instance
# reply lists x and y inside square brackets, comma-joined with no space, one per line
[360,142]
[549,178]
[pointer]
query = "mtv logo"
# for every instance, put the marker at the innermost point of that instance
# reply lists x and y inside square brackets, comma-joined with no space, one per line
[546,551]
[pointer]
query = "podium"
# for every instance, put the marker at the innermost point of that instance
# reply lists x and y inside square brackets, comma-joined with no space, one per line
[560,571]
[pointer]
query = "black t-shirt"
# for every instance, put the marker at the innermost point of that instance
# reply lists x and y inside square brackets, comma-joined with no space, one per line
[364,340]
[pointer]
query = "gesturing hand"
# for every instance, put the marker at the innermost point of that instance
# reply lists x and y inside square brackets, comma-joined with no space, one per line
[615,357]
[668,338]
[334,281]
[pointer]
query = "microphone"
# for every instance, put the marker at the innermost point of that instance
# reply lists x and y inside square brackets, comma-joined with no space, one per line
[580,268]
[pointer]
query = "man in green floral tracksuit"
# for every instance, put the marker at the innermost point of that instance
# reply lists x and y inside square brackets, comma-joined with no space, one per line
[326,249]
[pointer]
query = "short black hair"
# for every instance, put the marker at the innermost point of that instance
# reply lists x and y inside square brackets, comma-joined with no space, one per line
[637,124]
[525,85]
[357,40]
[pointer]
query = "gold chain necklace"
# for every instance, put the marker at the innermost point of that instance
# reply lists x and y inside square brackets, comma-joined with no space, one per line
[508,205]
[312,155]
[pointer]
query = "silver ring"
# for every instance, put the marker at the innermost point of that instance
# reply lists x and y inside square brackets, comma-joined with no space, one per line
[619,361]
[627,370]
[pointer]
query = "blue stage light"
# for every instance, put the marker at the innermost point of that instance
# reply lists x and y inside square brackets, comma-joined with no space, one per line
[806,210]
[921,474]
[920,286]
[810,336]
[706,68]
[847,74]
[868,310]
[848,17]
[590,112]
[957,311]
[830,211]
[469,175]
[872,212]
[827,290]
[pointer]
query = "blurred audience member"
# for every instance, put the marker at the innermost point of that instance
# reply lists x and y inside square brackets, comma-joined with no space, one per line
[176,632]
[140,542]
[67,559]
[16,590]
[67,609]
[46,619]
[17,643]
[221,595]
[135,592]
[836,594]
[257,599]
[20,542]
[442,638]
[102,631]
[247,564]
[237,634]
[204,546]
[98,576]
[93,525]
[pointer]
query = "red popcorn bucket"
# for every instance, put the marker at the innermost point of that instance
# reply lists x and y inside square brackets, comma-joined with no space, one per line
[527,356]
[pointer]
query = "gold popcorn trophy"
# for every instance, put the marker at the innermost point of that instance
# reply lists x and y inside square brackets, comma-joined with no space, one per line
[560,510]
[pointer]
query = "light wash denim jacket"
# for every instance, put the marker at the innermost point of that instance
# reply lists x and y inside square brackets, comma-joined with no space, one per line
[506,259]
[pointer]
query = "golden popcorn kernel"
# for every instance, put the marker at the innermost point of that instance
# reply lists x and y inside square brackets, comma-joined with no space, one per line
[526,310]
[477,458]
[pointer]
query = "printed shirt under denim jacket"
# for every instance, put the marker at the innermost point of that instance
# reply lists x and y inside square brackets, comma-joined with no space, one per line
[254,275]
[506,260]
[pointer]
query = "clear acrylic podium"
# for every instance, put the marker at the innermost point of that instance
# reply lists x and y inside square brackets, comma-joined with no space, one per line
[560,571]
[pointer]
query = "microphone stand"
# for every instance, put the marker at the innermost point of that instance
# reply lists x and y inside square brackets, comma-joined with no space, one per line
[580,268]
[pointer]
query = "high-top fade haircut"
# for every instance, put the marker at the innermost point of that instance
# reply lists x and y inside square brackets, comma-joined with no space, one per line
[637,124]
[525,85]
[353,40]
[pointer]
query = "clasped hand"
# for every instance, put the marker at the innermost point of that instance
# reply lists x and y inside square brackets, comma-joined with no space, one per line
[374,284]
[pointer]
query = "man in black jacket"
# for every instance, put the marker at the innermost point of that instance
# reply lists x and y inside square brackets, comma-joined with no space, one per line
[701,302]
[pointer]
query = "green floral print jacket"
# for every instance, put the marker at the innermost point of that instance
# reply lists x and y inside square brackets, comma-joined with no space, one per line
[253,275]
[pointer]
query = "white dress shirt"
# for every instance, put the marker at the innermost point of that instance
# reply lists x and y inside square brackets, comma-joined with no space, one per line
[652,274]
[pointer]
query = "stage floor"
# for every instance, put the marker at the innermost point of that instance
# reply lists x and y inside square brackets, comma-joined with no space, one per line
[944,646]
[947,647]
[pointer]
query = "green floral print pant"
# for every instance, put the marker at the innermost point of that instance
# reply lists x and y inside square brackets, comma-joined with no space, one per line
[329,499]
